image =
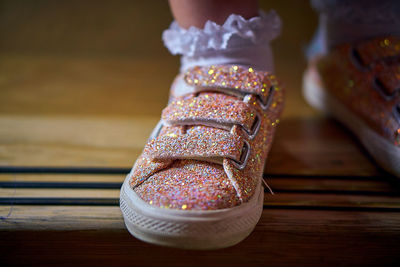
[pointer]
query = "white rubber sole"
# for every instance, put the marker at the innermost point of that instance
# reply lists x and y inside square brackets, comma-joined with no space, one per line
[385,153]
[189,229]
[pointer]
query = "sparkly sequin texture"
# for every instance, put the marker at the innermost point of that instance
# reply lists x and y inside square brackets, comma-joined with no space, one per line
[200,159]
[247,80]
[365,77]
[203,143]
[190,184]
[207,109]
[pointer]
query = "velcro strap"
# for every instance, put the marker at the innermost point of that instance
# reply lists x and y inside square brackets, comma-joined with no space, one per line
[207,143]
[211,110]
[378,49]
[388,78]
[232,78]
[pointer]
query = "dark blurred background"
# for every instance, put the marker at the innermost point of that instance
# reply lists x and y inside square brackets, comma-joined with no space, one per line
[107,57]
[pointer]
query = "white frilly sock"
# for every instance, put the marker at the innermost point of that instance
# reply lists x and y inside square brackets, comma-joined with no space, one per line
[237,41]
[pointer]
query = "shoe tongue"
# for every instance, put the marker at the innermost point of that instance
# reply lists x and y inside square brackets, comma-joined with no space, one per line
[180,88]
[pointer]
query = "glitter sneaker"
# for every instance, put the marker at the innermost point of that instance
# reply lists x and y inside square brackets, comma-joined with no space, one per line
[359,85]
[198,182]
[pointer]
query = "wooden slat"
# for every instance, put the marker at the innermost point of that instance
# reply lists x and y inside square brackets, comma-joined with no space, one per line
[302,202]
[282,199]
[61,178]
[59,193]
[66,141]
[341,189]
[278,184]
[63,170]
[25,216]
[328,201]
[302,146]
[61,218]
[81,217]
[296,238]
[317,146]
[80,86]
[327,184]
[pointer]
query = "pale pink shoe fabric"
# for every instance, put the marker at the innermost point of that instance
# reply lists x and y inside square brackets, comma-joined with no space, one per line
[365,77]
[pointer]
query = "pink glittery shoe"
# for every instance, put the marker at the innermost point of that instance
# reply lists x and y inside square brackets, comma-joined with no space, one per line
[359,85]
[198,182]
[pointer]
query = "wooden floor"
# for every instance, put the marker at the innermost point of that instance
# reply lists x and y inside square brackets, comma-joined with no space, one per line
[71,126]
[332,205]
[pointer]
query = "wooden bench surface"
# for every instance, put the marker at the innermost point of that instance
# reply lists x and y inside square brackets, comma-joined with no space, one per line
[72,126]
[60,180]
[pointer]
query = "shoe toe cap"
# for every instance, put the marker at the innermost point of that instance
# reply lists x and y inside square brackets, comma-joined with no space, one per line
[190,185]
